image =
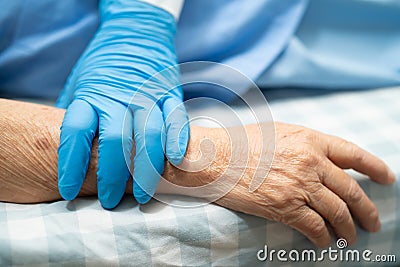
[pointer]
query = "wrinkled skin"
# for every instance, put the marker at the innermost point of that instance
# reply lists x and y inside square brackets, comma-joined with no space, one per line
[305,187]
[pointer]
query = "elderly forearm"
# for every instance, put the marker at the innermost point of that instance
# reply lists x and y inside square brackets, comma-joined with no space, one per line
[28,159]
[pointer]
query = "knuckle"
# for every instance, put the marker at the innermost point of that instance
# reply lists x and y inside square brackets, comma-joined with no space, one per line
[316,229]
[323,171]
[304,154]
[344,142]
[357,155]
[313,158]
[355,151]
[300,129]
[279,200]
[308,156]
[354,194]
[307,134]
[282,201]
[340,215]
[316,191]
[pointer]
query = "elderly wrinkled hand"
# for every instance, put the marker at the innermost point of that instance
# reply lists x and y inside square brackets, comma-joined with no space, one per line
[307,189]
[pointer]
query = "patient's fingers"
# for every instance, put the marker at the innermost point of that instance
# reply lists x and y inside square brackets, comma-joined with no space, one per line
[312,226]
[348,155]
[335,211]
[350,191]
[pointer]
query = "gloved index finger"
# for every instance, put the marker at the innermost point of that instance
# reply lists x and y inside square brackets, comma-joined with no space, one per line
[77,132]
[149,158]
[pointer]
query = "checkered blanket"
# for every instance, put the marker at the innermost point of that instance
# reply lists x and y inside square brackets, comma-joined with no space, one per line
[80,232]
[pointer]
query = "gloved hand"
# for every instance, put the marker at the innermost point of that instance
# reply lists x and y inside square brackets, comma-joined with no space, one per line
[135,41]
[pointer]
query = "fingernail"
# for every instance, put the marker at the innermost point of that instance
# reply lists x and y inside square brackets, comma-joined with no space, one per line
[392,176]
[142,197]
[110,195]
[377,226]
[68,192]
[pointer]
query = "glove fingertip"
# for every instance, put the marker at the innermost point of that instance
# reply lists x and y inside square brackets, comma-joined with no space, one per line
[140,196]
[111,194]
[176,149]
[175,158]
[68,192]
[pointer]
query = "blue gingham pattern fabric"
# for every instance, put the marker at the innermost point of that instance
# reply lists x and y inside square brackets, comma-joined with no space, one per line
[81,233]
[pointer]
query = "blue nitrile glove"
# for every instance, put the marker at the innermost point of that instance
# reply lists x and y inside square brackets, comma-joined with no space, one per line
[135,41]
